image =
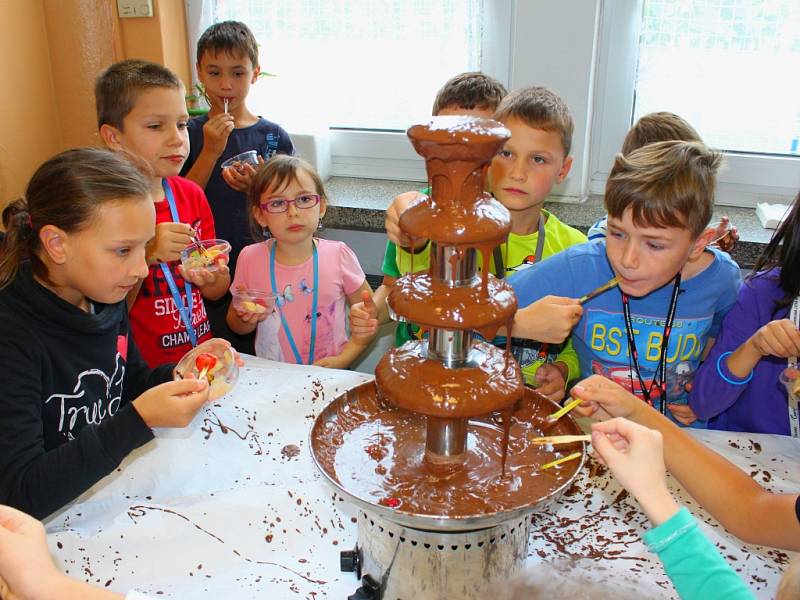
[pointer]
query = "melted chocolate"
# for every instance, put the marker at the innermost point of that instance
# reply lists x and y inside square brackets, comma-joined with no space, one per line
[409,380]
[426,301]
[376,452]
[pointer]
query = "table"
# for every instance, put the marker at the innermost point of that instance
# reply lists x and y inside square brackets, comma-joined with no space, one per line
[233,507]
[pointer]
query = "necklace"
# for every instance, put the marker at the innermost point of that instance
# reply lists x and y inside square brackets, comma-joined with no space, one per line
[314,298]
[660,376]
[184,310]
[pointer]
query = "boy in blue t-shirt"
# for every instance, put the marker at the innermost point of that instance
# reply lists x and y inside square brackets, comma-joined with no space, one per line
[671,287]
[227,65]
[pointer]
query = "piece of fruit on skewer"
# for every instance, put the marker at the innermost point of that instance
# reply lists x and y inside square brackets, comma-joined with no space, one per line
[204,362]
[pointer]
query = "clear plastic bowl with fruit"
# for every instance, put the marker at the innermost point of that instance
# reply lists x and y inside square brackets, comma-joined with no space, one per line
[790,378]
[214,360]
[205,254]
[253,301]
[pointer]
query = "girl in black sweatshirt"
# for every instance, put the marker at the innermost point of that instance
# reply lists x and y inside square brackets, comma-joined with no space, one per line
[75,395]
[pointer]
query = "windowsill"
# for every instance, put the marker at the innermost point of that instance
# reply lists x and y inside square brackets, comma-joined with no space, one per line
[360,204]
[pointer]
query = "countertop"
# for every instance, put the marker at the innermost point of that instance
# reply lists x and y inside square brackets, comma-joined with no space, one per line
[360,204]
[232,506]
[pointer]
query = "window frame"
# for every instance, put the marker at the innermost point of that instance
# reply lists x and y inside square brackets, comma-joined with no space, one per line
[744,179]
[375,154]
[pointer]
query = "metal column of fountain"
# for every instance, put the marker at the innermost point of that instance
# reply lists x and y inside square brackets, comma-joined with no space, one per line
[436,451]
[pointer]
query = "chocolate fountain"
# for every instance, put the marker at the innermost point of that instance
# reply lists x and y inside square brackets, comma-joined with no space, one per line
[436,452]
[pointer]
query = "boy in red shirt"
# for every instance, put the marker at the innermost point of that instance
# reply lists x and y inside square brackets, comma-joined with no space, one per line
[141,110]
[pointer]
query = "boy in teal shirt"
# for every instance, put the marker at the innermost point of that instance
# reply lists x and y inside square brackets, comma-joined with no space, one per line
[521,177]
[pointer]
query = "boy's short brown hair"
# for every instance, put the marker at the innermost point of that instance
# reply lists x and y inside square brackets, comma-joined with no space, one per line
[469,90]
[232,37]
[539,108]
[666,184]
[116,88]
[658,127]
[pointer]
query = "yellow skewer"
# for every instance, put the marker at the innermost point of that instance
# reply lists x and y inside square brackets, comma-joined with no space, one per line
[572,456]
[561,439]
[567,407]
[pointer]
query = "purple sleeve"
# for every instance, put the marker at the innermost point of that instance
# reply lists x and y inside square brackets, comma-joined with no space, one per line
[711,394]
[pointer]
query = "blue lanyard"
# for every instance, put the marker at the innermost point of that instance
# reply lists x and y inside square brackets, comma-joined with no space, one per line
[185,310]
[314,298]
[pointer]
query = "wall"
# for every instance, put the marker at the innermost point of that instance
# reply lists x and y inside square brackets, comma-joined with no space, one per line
[50,53]
[30,129]
[160,39]
[555,45]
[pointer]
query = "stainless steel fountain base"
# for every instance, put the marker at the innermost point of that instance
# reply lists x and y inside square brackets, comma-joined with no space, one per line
[413,564]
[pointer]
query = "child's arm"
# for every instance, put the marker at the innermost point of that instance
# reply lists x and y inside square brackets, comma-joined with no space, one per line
[743,340]
[400,203]
[215,137]
[634,455]
[369,314]
[552,382]
[356,344]
[27,568]
[743,507]
[550,319]
[243,321]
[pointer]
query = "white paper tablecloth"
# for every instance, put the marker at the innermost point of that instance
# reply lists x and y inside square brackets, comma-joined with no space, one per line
[220,510]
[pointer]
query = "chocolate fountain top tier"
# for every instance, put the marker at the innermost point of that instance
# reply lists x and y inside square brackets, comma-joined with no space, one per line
[457,152]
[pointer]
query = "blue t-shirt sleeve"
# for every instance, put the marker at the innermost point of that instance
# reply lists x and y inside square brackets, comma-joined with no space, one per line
[553,276]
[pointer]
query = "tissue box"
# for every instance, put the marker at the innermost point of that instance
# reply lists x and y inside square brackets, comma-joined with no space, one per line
[771,215]
[314,147]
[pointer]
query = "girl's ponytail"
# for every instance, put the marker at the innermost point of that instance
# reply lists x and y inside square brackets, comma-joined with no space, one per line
[17,243]
[783,251]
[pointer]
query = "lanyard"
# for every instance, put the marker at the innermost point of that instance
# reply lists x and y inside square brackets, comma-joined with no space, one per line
[185,310]
[314,299]
[660,375]
[499,264]
[794,414]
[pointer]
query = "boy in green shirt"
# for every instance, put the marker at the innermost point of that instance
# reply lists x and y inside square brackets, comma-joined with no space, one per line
[521,176]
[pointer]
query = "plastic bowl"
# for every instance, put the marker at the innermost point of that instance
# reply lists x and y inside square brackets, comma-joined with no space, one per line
[215,251]
[221,377]
[254,301]
[790,378]
[245,158]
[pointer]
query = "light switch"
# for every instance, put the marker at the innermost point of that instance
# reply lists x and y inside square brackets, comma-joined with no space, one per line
[128,9]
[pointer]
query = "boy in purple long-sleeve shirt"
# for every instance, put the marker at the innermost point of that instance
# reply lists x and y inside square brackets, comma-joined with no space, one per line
[737,388]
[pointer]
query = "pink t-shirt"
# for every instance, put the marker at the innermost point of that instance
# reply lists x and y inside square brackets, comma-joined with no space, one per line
[339,275]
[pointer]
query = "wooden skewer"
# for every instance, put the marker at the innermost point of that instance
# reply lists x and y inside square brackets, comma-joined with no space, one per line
[567,407]
[572,456]
[562,439]
[594,293]
[203,373]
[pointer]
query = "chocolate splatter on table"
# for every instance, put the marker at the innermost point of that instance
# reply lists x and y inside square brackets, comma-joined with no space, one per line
[233,507]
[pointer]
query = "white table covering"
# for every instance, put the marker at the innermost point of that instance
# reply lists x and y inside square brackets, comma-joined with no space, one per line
[221,510]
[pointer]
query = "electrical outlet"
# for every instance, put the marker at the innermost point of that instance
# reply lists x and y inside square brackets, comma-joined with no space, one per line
[128,9]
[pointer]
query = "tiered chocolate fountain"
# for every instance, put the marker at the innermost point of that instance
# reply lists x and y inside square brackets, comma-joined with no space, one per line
[438,456]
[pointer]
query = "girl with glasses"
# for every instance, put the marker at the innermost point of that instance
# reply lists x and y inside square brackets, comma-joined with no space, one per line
[308,280]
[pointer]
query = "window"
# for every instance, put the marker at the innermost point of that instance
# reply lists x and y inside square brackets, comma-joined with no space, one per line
[366,69]
[726,66]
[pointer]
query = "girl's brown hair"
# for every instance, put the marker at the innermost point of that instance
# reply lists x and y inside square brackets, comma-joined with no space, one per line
[66,191]
[278,172]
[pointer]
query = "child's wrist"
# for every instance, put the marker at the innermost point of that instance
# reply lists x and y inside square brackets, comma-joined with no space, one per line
[658,504]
